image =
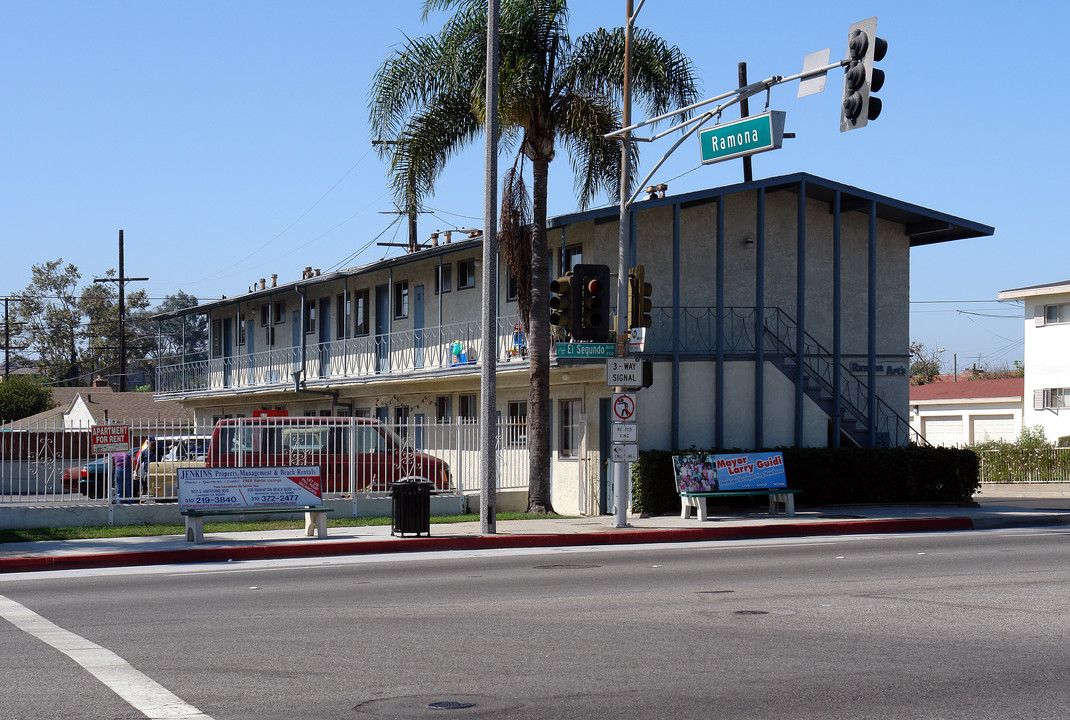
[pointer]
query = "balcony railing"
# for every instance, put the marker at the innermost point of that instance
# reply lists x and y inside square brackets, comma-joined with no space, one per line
[433,349]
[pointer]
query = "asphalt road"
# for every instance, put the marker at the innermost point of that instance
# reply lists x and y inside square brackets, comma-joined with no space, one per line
[949,625]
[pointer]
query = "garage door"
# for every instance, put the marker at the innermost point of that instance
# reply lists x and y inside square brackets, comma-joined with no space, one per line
[946,431]
[993,427]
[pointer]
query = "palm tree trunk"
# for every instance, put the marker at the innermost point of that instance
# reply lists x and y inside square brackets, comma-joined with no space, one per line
[539,347]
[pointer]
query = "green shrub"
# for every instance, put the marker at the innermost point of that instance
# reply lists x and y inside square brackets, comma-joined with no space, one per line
[831,476]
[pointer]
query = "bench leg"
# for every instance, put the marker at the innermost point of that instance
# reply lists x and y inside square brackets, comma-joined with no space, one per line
[686,503]
[789,503]
[194,529]
[316,524]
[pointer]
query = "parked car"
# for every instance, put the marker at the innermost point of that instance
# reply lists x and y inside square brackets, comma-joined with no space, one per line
[173,452]
[96,474]
[373,454]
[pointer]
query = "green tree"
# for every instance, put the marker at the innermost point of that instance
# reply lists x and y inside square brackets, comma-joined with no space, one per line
[924,364]
[21,396]
[427,98]
[48,308]
[185,336]
[99,303]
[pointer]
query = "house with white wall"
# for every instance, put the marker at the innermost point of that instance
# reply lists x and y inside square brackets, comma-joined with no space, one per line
[780,317]
[956,413]
[1047,347]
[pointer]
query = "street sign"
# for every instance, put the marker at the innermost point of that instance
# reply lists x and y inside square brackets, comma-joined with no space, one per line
[623,407]
[109,438]
[624,372]
[624,453]
[748,136]
[624,432]
[637,340]
[586,350]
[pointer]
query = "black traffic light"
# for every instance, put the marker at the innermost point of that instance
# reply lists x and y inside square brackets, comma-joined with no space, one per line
[860,78]
[639,291]
[561,302]
[592,282]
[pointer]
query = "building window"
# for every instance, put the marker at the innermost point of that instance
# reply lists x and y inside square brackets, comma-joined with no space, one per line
[1051,398]
[265,315]
[511,288]
[573,257]
[401,420]
[280,312]
[401,299]
[1055,314]
[360,298]
[442,279]
[466,274]
[517,427]
[241,329]
[217,338]
[343,315]
[443,409]
[310,317]
[571,430]
[467,408]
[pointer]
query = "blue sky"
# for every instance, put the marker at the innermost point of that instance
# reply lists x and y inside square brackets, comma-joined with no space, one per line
[230,139]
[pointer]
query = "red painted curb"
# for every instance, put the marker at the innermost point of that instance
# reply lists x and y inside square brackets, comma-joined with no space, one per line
[326,548]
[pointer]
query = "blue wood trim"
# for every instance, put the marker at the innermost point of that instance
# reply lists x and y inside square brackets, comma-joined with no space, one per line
[871,372]
[800,312]
[837,318]
[675,420]
[759,324]
[719,418]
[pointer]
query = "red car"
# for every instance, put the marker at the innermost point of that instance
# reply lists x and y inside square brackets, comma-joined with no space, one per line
[360,451]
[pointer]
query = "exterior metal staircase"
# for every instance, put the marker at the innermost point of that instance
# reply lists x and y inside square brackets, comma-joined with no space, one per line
[820,380]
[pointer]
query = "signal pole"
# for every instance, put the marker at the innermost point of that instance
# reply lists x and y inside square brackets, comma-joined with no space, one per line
[122,280]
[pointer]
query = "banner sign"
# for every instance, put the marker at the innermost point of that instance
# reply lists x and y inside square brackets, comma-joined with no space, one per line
[750,471]
[256,487]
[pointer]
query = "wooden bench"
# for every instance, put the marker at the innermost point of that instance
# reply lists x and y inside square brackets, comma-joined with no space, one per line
[697,500]
[315,519]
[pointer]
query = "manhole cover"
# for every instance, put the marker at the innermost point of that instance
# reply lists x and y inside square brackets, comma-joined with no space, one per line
[713,592]
[450,705]
[751,612]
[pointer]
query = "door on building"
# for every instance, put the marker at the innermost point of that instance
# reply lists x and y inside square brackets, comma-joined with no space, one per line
[228,350]
[605,478]
[418,326]
[250,346]
[324,308]
[382,328]
[987,428]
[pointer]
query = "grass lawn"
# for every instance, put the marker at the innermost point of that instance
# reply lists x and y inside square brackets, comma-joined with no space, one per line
[79,533]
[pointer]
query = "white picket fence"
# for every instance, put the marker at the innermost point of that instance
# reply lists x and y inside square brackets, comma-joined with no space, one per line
[45,465]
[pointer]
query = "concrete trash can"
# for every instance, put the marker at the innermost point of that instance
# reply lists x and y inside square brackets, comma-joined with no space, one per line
[411,508]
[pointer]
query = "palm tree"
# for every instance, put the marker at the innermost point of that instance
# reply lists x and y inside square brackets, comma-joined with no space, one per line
[427,98]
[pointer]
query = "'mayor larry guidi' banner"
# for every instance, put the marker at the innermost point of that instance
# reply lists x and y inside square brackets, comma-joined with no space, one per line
[750,471]
[253,487]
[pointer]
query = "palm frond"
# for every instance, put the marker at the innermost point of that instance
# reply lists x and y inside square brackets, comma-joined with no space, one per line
[514,236]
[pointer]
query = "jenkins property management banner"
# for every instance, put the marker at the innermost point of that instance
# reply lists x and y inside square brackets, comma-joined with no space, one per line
[750,471]
[256,487]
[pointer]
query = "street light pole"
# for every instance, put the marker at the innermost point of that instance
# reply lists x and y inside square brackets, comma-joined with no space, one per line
[620,469]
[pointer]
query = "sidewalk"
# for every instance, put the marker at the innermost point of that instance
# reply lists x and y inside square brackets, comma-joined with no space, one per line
[998,507]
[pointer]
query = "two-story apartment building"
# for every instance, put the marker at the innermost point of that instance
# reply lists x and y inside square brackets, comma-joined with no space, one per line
[780,318]
[1047,345]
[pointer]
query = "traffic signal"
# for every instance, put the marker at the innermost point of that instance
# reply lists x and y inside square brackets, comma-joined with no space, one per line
[593,299]
[861,79]
[639,291]
[561,302]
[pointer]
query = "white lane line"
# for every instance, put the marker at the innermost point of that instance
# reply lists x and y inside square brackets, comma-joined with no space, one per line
[142,692]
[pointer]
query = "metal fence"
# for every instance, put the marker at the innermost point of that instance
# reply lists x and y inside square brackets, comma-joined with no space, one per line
[46,465]
[1011,463]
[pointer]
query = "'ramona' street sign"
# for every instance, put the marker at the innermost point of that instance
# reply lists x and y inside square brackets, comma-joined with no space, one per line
[743,137]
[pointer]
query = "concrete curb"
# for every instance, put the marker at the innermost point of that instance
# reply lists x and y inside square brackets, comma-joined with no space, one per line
[326,548]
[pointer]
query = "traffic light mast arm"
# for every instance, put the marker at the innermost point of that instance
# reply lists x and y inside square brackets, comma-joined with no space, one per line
[698,121]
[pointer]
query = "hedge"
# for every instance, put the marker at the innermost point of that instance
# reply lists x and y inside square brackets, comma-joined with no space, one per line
[831,476]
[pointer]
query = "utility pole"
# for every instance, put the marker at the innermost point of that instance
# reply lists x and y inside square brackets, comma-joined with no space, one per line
[122,280]
[744,111]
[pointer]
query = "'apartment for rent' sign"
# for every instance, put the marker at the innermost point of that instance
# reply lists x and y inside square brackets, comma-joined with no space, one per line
[109,438]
